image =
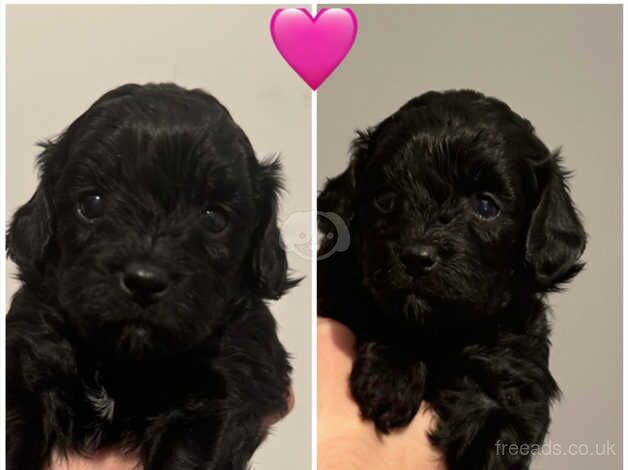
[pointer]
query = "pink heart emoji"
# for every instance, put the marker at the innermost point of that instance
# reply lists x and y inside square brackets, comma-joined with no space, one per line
[314,47]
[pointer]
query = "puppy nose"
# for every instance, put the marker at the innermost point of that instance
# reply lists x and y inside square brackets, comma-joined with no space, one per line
[144,282]
[420,259]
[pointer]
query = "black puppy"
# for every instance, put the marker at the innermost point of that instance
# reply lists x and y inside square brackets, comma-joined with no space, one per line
[145,255]
[460,223]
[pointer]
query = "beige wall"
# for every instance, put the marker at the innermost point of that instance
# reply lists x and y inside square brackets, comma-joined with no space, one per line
[560,66]
[60,59]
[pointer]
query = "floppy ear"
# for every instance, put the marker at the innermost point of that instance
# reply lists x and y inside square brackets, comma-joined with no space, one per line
[270,264]
[30,230]
[556,238]
[339,194]
[337,197]
[29,233]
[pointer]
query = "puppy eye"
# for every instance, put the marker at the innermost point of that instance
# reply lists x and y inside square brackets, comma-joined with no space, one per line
[91,206]
[216,219]
[485,206]
[384,203]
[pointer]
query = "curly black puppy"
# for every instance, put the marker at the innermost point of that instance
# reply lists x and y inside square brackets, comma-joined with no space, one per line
[145,255]
[460,223]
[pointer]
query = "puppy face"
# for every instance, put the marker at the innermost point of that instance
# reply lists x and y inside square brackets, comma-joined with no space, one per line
[455,206]
[152,218]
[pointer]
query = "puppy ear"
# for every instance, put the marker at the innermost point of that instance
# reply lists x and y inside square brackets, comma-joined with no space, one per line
[270,264]
[556,238]
[29,233]
[337,197]
[339,194]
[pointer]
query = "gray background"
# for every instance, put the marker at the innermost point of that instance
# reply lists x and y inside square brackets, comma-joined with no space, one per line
[62,58]
[560,66]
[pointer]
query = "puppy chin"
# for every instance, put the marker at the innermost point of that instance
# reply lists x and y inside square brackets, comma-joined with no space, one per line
[415,309]
[407,307]
[135,341]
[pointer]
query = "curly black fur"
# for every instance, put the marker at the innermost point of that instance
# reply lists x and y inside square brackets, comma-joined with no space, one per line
[184,378]
[448,305]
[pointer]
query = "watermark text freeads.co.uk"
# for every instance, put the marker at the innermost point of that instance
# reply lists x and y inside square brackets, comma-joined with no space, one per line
[555,448]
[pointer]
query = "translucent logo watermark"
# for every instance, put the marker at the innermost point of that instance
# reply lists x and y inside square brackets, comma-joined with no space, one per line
[550,448]
[298,239]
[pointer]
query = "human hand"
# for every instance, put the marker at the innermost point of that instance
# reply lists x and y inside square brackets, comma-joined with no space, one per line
[345,440]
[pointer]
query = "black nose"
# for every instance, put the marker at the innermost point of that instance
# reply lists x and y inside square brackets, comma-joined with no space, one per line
[420,259]
[144,282]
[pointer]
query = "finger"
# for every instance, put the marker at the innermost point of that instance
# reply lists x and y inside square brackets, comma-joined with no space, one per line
[335,342]
[338,414]
[336,352]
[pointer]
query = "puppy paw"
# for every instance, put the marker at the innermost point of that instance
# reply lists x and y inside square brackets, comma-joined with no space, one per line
[387,387]
[478,431]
